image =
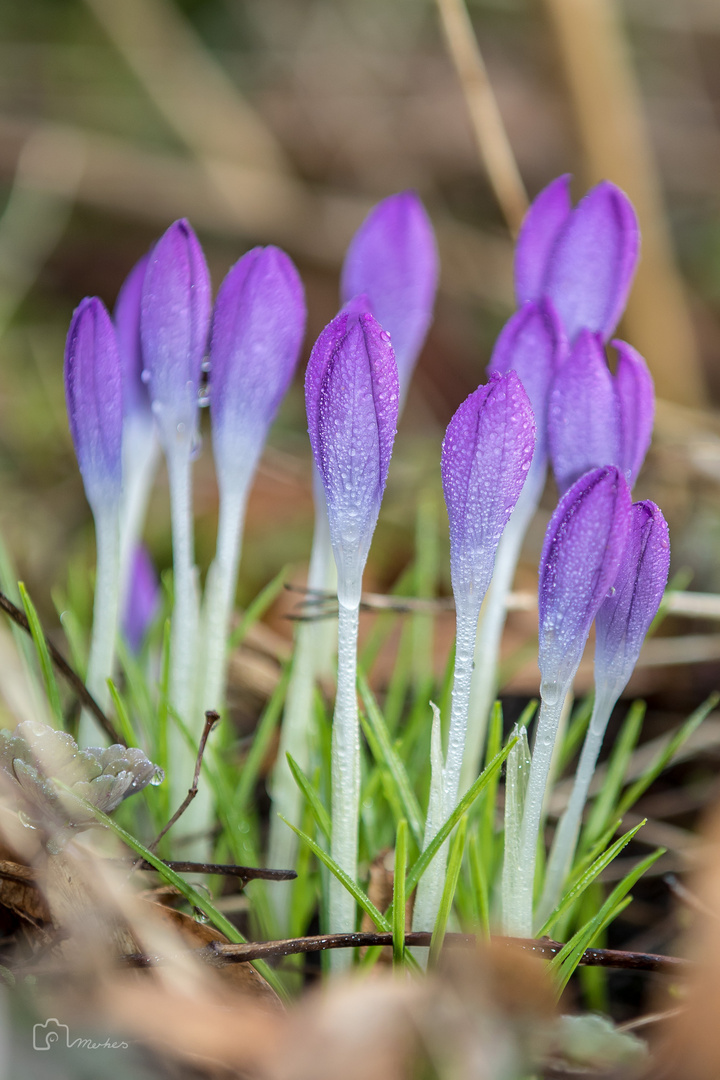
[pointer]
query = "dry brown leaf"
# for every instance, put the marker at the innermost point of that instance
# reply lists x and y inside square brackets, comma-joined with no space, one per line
[19,892]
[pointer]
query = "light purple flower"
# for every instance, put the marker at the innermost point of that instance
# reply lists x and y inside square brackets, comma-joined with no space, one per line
[393,260]
[351,394]
[257,330]
[143,598]
[625,615]
[174,321]
[486,454]
[596,419]
[93,392]
[136,399]
[582,259]
[582,552]
[533,344]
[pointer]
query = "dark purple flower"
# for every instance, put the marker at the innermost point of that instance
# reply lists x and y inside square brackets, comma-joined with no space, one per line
[582,552]
[257,330]
[582,259]
[595,419]
[486,454]
[351,394]
[136,399]
[174,321]
[393,260]
[624,616]
[533,345]
[143,598]
[93,392]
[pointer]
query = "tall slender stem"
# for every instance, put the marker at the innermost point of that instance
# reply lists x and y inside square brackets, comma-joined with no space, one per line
[566,834]
[105,618]
[345,801]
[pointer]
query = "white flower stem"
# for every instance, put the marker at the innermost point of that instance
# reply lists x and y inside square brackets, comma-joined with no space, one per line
[345,802]
[518,917]
[105,618]
[566,834]
[492,623]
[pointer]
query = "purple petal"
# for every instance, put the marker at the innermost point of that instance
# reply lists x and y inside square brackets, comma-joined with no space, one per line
[486,454]
[583,548]
[636,397]
[174,320]
[351,393]
[625,615]
[93,392]
[143,598]
[533,344]
[592,262]
[127,329]
[257,330]
[584,413]
[393,259]
[547,214]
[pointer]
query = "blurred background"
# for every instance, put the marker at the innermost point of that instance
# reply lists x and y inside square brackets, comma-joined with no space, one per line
[283,121]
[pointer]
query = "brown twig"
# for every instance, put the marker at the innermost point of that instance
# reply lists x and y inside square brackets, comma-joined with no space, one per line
[211,719]
[245,873]
[70,676]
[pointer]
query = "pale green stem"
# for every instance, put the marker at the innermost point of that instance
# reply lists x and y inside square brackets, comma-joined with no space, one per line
[345,801]
[566,834]
[492,623]
[518,918]
[516,780]
[141,452]
[105,618]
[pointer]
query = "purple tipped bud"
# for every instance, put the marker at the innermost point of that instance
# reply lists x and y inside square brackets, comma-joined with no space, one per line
[393,260]
[257,330]
[547,215]
[486,454]
[625,615]
[593,261]
[636,396]
[93,392]
[532,343]
[583,548]
[174,326]
[351,394]
[584,416]
[143,598]
[136,399]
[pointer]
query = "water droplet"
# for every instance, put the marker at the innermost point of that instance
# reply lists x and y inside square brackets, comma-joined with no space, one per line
[25,820]
[145,375]
[384,335]
[195,448]
[157,778]
[200,916]
[180,428]
[203,397]
[611,590]
[205,366]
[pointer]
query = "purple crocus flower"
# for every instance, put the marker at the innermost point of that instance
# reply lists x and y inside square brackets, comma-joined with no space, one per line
[351,393]
[174,321]
[486,454]
[624,616]
[93,391]
[143,598]
[392,259]
[583,259]
[597,419]
[582,552]
[257,330]
[136,399]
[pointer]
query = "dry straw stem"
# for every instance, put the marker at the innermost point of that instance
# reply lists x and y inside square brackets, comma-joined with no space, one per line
[487,122]
[615,141]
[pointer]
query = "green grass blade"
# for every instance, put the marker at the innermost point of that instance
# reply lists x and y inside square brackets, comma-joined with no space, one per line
[46,667]
[123,717]
[255,610]
[605,803]
[455,858]
[322,818]
[398,906]
[260,746]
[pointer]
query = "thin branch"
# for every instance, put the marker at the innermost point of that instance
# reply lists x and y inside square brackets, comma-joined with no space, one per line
[70,676]
[211,719]
[245,873]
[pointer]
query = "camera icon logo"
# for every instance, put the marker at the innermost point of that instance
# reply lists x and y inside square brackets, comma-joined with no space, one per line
[51,1032]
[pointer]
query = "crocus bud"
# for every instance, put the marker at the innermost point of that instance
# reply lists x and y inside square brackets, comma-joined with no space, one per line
[393,260]
[595,419]
[486,454]
[174,320]
[257,330]
[583,259]
[93,391]
[624,616]
[533,345]
[136,399]
[351,394]
[143,598]
[581,555]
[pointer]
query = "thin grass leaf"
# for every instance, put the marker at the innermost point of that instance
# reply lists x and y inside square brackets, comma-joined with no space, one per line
[260,745]
[257,608]
[606,800]
[322,818]
[479,884]
[455,858]
[46,667]
[123,717]
[398,919]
